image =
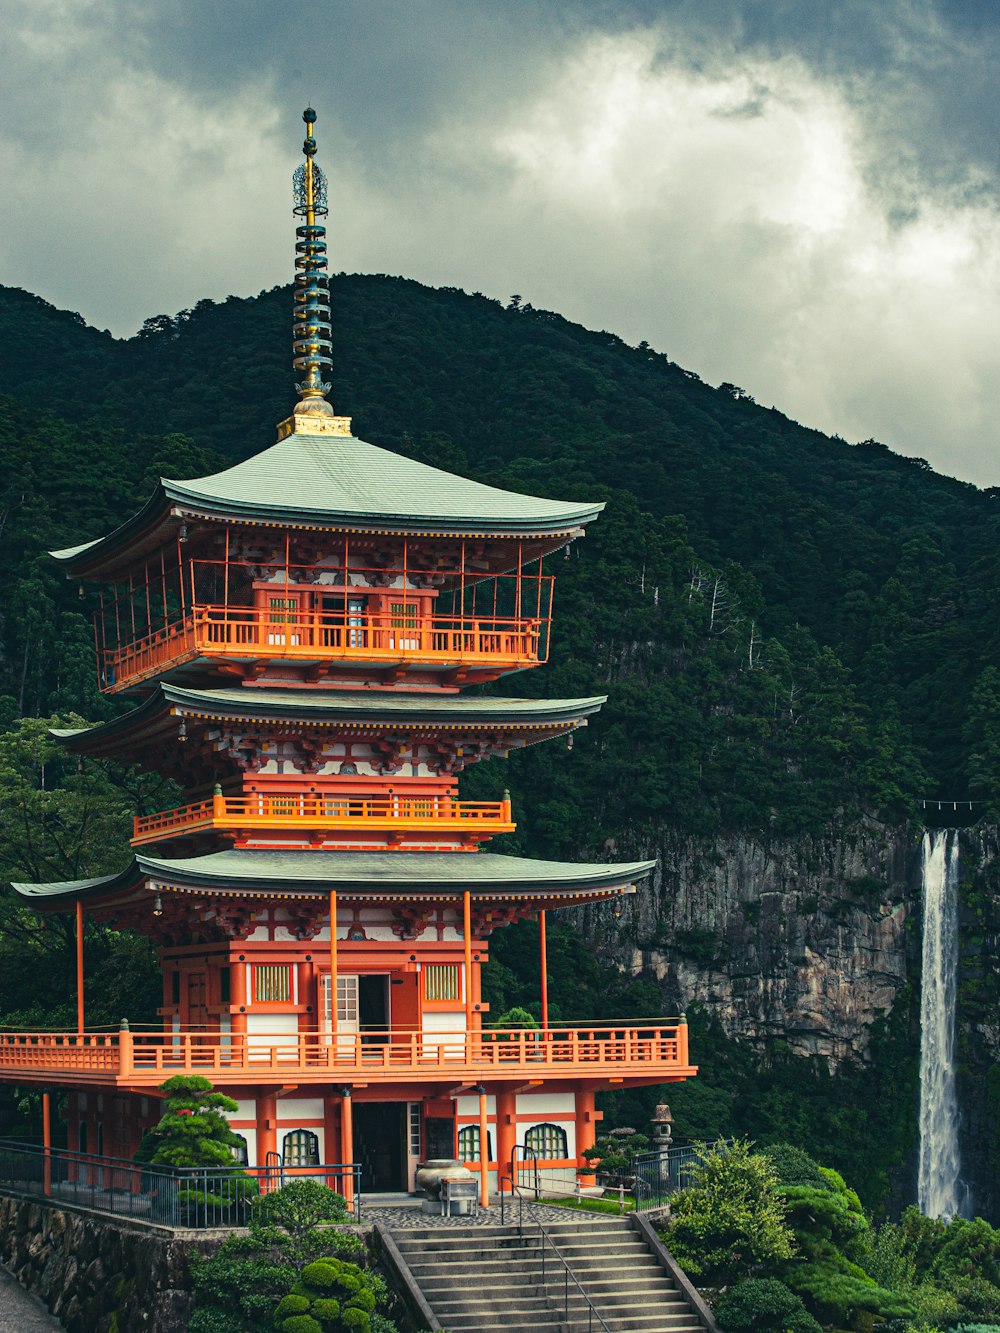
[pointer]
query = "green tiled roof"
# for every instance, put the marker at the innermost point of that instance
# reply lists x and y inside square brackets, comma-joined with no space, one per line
[345,706]
[343,481]
[370,872]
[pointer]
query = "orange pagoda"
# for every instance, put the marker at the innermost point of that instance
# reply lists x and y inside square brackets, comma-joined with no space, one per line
[297,631]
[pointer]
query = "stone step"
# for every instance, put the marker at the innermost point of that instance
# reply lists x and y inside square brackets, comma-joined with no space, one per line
[502,1306]
[531,1279]
[636,1268]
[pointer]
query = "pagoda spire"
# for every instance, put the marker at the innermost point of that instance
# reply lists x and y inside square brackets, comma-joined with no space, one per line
[312,345]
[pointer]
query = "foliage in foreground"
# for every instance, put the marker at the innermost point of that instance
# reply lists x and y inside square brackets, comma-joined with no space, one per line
[790,1245]
[291,1271]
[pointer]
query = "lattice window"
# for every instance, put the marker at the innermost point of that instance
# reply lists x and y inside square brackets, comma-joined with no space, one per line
[281,610]
[468,1144]
[442,981]
[403,615]
[548,1141]
[300,1147]
[272,983]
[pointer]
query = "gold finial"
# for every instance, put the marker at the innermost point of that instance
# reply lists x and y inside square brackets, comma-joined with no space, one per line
[313,349]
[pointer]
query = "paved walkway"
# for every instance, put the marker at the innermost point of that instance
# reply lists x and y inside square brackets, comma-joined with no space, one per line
[21,1312]
[410,1216]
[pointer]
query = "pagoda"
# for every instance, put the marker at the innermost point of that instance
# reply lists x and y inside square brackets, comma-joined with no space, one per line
[298,631]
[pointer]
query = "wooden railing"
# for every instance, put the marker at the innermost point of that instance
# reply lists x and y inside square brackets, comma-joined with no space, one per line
[500,644]
[654,1051]
[325,810]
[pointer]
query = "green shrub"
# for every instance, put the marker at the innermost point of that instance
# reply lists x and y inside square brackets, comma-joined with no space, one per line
[355,1319]
[763,1303]
[301,1323]
[212,1320]
[326,1309]
[793,1165]
[730,1220]
[292,1304]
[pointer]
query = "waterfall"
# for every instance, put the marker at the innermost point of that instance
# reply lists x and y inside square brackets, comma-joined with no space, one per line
[939,1190]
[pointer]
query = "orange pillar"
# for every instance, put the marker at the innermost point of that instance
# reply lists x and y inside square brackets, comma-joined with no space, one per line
[47,1141]
[238,1004]
[506,1135]
[347,1142]
[586,1131]
[467,936]
[267,1127]
[544,964]
[333,963]
[682,1040]
[79,967]
[484,1153]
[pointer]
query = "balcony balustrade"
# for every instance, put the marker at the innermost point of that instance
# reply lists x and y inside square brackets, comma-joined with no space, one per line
[306,812]
[235,614]
[655,1052]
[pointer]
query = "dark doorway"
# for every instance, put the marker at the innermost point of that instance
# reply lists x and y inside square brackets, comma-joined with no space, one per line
[380,1145]
[373,1006]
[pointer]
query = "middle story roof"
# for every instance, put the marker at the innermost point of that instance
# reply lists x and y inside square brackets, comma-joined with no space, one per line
[154,722]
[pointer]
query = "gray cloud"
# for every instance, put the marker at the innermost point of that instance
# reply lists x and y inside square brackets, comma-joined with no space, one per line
[798,198]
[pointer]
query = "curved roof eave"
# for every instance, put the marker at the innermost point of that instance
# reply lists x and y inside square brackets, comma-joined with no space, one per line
[374,872]
[259,704]
[340,482]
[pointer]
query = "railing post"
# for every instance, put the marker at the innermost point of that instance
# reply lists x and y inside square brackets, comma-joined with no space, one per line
[218,803]
[682,1040]
[126,1052]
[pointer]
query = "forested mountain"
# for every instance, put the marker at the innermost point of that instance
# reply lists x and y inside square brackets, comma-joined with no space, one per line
[798,637]
[817,543]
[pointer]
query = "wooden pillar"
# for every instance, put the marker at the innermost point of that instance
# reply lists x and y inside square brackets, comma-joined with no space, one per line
[333,962]
[79,967]
[467,937]
[331,1137]
[484,1153]
[267,1127]
[544,966]
[347,1143]
[586,1131]
[47,1142]
[238,1005]
[506,1135]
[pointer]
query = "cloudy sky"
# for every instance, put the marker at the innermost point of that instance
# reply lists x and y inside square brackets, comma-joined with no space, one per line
[798,196]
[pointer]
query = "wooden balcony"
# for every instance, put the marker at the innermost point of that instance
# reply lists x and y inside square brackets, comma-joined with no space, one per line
[648,1053]
[313,812]
[481,648]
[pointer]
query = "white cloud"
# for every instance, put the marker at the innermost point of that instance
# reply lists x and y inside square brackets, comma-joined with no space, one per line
[730,211]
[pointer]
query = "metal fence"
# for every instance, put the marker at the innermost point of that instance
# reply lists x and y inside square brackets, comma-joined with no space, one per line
[657,1175]
[195,1197]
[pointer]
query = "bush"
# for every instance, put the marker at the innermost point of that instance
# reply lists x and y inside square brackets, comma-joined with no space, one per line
[301,1323]
[764,1303]
[793,1165]
[730,1220]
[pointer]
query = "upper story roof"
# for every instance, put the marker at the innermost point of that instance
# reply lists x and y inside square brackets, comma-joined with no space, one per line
[338,482]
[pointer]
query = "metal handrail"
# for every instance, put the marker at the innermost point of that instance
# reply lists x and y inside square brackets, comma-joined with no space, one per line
[568,1274]
[529,1155]
[592,1309]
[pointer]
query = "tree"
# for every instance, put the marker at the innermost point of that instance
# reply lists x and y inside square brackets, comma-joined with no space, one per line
[730,1220]
[194,1132]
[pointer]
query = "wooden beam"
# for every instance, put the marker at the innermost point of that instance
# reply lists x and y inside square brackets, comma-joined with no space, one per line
[80,1018]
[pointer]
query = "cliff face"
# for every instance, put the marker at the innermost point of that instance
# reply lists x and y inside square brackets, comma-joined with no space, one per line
[804,945]
[977,1036]
[804,942]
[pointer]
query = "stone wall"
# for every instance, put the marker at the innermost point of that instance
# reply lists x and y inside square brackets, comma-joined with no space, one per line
[97,1275]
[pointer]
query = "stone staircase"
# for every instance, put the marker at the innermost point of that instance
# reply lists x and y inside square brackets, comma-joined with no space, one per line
[476,1278]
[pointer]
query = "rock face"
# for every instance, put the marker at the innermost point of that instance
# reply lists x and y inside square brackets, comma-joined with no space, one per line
[804,941]
[97,1276]
[809,941]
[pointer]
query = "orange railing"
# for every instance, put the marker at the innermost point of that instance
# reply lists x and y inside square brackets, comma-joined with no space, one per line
[493,643]
[327,810]
[654,1051]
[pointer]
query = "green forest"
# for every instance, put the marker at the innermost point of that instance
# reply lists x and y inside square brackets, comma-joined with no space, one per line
[796,633]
